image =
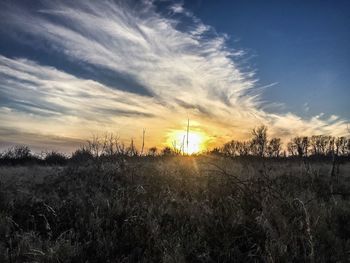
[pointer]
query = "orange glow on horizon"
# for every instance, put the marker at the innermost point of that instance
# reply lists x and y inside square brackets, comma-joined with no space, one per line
[197,141]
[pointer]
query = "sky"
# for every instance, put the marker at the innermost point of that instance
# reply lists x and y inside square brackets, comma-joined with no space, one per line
[69,70]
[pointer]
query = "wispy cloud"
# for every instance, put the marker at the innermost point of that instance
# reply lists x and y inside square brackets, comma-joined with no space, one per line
[187,71]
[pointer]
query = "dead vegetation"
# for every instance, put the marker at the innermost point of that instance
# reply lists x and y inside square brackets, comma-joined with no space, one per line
[175,209]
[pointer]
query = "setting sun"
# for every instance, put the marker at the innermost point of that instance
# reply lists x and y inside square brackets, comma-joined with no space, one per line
[196,141]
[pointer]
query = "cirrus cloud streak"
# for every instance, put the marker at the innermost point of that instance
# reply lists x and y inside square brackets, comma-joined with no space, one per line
[188,71]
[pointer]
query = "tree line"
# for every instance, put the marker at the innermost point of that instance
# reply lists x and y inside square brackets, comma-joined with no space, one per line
[110,147]
[302,146]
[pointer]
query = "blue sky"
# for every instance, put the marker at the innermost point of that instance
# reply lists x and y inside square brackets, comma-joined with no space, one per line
[72,69]
[301,45]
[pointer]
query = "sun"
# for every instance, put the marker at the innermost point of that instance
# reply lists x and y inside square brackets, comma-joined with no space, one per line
[196,141]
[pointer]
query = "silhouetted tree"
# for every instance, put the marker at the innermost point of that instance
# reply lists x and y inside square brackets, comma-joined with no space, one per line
[330,146]
[340,146]
[274,147]
[231,148]
[259,141]
[244,148]
[292,149]
[81,155]
[95,146]
[19,154]
[320,144]
[299,146]
[110,145]
[55,158]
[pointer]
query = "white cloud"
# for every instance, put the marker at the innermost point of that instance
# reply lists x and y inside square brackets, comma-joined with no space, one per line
[177,8]
[189,72]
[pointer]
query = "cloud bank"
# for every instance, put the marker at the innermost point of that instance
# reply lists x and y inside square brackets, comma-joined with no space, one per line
[187,70]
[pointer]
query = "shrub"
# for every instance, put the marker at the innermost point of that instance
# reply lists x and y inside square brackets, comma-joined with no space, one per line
[81,155]
[20,154]
[55,158]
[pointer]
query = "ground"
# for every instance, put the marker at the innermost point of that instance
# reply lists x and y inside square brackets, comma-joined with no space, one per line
[176,209]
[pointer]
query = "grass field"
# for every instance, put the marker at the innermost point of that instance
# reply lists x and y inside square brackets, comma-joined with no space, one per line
[175,209]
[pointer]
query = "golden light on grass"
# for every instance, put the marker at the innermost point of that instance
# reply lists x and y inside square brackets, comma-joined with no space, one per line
[197,141]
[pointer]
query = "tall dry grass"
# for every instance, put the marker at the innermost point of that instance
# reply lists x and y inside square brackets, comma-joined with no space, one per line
[175,209]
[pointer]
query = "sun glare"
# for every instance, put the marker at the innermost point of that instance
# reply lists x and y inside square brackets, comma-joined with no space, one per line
[196,141]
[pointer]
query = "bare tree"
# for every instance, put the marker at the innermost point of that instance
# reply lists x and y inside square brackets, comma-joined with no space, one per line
[274,147]
[259,141]
[330,146]
[299,146]
[230,148]
[110,145]
[292,149]
[244,148]
[318,144]
[340,146]
[18,152]
[95,146]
